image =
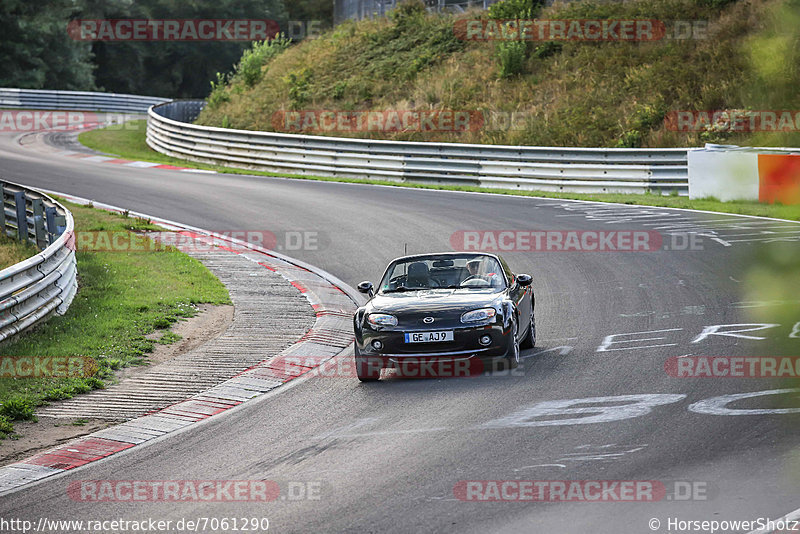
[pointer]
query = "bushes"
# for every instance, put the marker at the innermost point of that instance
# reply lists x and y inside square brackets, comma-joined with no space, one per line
[512,55]
[644,119]
[515,9]
[94,383]
[17,409]
[408,13]
[57,394]
[6,426]
[299,83]
[218,94]
[248,70]
[547,49]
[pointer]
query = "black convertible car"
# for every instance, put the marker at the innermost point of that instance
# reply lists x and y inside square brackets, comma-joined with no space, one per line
[450,307]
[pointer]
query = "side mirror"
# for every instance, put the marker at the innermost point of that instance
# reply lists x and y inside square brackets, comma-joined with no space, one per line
[524,279]
[365,287]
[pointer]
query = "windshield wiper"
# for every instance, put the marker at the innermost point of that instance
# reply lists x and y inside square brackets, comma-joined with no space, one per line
[468,287]
[402,289]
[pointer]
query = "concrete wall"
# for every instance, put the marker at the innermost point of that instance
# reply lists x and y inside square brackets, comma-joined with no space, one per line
[735,173]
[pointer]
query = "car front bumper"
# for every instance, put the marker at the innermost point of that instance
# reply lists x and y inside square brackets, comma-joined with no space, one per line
[465,343]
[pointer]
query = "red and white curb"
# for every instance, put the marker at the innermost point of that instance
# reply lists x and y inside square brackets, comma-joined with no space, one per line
[126,162]
[99,158]
[333,301]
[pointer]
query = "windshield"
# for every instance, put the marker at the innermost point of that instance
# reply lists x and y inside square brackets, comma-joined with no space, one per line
[447,271]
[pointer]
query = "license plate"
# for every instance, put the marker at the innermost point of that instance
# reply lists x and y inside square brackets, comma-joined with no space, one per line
[429,337]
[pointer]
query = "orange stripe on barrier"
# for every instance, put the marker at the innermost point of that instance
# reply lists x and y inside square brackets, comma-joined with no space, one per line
[779,178]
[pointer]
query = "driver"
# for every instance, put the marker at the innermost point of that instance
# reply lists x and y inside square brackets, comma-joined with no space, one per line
[474,267]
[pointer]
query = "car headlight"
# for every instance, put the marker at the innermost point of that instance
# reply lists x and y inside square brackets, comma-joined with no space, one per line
[381,319]
[474,316]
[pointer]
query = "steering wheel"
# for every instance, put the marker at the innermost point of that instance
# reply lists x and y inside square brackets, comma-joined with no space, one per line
[431,283]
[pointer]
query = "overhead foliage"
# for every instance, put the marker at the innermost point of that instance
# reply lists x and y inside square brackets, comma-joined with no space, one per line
[38,53]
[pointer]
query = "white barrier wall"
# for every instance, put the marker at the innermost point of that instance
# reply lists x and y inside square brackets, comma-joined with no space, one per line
[726,174]
[734,173]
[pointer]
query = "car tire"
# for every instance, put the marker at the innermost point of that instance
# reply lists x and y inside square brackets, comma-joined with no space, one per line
[512,357]
[364,371]
[530,340]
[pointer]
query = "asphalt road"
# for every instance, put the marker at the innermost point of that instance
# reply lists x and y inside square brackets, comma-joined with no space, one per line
[388,455]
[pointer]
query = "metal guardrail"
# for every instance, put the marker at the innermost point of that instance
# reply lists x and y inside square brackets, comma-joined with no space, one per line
[76,100]
[587,170]
[32,290]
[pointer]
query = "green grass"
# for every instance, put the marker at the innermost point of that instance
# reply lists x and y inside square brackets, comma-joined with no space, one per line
[168,338]
[122,298]
[123,144]
[14,251]
[128,142]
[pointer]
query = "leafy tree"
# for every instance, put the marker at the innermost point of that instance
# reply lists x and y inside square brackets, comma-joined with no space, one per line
[35,50]
[308,10]
[171,68]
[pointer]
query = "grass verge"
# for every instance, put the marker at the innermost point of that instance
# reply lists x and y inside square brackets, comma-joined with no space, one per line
[123,297]
[13,251]
[129,143]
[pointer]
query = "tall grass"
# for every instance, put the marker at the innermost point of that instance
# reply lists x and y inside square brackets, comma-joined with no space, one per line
[614,94]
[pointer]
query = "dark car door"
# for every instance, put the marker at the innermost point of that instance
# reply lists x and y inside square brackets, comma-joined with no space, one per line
[521,297]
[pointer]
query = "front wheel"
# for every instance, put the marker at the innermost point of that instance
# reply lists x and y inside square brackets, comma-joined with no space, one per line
[530,340]
[367,369]
[512,355]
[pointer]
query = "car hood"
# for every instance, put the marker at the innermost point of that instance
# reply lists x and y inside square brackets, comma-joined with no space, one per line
[434,300]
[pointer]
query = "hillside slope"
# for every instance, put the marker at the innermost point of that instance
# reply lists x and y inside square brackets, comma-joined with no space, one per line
[557,93]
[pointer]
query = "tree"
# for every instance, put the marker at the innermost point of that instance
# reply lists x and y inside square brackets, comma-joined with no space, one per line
[171,68]
[36,51]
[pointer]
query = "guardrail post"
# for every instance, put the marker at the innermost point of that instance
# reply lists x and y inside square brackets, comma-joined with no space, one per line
[50,217]
[3,209]
[38,223]
[22,217]
[61,224]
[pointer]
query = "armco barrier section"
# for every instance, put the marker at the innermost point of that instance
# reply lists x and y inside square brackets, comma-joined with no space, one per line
[76,100]
[32,290]
[589,170]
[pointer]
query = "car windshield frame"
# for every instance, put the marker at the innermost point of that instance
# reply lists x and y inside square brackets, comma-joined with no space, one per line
[390,272]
